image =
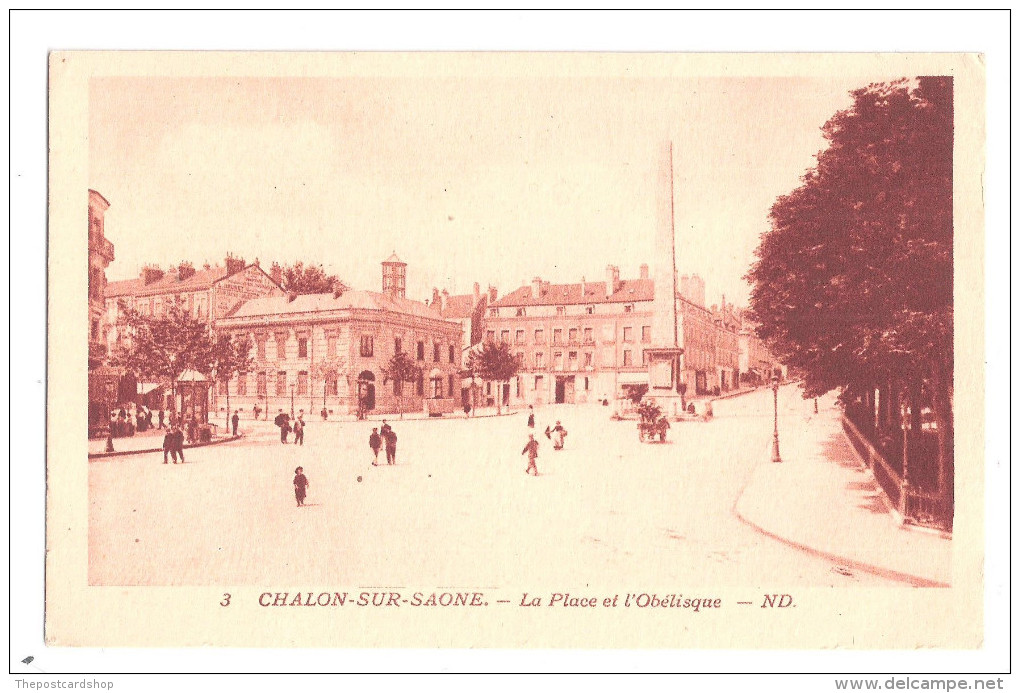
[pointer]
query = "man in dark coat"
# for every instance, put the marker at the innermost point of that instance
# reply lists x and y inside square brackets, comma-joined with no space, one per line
[375,442]
[283,421]
[531,416]
[531,449]
[299,430]
[391,446]
[178,444]
[234,420]
[169,446]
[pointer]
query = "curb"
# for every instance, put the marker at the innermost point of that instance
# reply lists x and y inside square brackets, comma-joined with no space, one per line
[419,418]
[101,455]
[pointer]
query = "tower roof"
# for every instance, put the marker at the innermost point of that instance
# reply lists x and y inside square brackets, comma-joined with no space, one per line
[393,259]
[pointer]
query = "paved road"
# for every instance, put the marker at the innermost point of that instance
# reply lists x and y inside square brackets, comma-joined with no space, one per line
[458,509]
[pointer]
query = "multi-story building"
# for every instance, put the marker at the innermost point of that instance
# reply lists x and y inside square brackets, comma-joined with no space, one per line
[468,311]
[586,342]
[100,257]
[330,351]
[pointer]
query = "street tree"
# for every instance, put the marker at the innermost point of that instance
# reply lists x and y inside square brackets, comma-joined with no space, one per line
[401,369]
[300,278]
[495,362]
[230,355]
[853,284]
[328,370]
[162,347]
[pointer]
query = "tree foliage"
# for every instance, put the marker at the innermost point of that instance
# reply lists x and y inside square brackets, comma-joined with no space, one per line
[853,285]
[300,278]
[401,369]
[162,347]
[494,361]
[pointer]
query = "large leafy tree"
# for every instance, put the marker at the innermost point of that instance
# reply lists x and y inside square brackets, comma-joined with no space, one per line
[401,369]
[494,361]
[230,356]
[329,369]
[162,347]
[300,278]
[854,283]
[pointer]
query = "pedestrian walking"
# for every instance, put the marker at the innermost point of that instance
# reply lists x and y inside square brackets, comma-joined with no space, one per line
[391,446]
[193,428]
[283,421]
[178,447]
[162,419]
[169,446]
[234,420]
[558,434]
[324,414]
[299,430]
[301,485]
[531,416]
[256,410]
[531,450]
[375,442]
[386,428]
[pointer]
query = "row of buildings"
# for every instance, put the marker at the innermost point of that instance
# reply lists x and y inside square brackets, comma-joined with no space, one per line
[579,342]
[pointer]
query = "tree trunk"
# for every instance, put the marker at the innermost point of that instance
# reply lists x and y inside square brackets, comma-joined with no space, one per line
[942,407]
[226,385]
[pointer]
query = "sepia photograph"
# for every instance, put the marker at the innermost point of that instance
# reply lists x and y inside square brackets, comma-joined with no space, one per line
[593,350]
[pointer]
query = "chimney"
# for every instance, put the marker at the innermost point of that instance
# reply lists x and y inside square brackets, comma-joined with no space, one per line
[234,264]
[151,273]
[584,287]
[185,270]
[644,271]
[276,273]
[435,297]
[446,298]
[536,287]
[612,279]
[492,294]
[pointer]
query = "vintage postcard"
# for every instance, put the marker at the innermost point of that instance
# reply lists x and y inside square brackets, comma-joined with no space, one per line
[629,351]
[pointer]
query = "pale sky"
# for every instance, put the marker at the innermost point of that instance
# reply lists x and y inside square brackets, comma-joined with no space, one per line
[468,179]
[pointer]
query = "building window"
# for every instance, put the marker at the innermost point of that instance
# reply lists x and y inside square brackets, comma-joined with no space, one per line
[449,382]
[420,385]
[396,345]
[302,382]
[628,334]
[302,347]
[646,334]
[644,357]
[260,347]
[437,388]
[538,382]
[453,354]
[539,359]
[520,358]
[435,352]
[490,335]
[367,345]
[572,360]
[421,351]
[589,310]
[572,335]
[561,310]
[558,360]
[331,345]
[332,386]
[519,337]
[627,361]
[539,336]
[628,308]
[260,384]
[588,359]
[95,330]
[586,388]
[222,387]
[557,336]
[504,336]
[281,345]
[521,312]
[488,388]
[493,312]
[281,383]
[242,384]
[589,336]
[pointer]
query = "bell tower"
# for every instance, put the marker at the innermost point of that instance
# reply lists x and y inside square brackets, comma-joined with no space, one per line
[394,276]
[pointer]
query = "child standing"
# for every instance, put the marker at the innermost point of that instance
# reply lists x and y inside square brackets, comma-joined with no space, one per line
[300,485]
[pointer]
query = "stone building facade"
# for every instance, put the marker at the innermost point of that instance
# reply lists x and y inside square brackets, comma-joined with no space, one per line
[100,256]
[330,351]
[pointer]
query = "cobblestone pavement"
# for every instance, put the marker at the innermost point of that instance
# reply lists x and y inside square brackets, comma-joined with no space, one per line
[457,510]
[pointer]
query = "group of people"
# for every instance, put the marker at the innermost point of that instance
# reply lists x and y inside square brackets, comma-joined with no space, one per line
[380,437]
[557,434]
[173,444]
[286,426]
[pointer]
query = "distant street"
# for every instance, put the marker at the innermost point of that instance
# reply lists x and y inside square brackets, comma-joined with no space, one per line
[457,510]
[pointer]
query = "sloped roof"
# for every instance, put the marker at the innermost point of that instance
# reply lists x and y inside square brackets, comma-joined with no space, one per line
[169,283]
[570,294]
[394,258]
[461,306]
[317,303]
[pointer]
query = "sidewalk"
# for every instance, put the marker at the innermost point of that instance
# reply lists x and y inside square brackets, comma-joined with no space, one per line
[822,499]
[150,441]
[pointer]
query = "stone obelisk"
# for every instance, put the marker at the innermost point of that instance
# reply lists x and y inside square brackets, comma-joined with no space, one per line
[664,358]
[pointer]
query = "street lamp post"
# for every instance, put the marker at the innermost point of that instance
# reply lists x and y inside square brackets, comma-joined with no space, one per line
[775,424]
[292,401]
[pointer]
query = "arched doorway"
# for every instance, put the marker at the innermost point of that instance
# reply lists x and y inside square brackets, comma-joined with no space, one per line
[366,391]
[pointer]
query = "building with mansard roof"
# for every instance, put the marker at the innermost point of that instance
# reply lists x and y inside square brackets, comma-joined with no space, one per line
[330,351]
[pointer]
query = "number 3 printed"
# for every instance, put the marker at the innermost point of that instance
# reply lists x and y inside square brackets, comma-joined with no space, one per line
[226,599]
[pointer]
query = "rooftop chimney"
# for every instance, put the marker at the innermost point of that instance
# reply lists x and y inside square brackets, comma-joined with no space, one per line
[478,292]
[185,270]
[276,273]
[536,287]
[584,287]
[435,297]
[612,279]
[234,264]
[446,298]
[644,271]
[493,293]
[151,273]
